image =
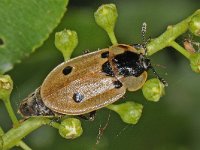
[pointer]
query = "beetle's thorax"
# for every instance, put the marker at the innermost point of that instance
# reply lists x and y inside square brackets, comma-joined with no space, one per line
[126,64]
[34,106]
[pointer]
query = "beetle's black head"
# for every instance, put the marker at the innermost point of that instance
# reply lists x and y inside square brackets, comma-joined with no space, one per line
[144,62]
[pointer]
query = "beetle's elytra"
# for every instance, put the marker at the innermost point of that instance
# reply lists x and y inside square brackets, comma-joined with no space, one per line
[88,82]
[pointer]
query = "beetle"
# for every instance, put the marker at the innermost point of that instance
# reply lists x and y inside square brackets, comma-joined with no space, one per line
[89,82]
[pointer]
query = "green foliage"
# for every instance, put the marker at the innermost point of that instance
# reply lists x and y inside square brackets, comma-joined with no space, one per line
[24,26]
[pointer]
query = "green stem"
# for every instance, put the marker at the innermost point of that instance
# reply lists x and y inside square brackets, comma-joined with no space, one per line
[14,135]
[14,120]
[10,111]
[24,146]
[180,49]
[54,124]
[1,131]
[172,32]
[112,36]
[1,141]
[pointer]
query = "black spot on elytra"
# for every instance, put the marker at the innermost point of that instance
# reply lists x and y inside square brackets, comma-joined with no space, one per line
[67,70]
[105,54]
[106,68]
[78,97]
[117,84]
[1,42]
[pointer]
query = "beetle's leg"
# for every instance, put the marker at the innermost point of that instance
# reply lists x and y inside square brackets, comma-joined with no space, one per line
[91,116]
[157,75]
[55,119]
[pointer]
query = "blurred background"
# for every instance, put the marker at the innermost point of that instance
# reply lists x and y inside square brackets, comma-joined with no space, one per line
[173,123]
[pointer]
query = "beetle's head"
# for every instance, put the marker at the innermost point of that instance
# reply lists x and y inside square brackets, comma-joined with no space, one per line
[145,62]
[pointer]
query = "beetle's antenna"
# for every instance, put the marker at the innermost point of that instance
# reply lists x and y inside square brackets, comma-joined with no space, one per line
[157,75]
[143,32]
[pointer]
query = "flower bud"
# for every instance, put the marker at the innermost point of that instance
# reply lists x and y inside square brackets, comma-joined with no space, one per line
[153,90]
[6,86]
[130,112]
[194,25]
[66,41]
[106,16]
[70,128]
[195,62]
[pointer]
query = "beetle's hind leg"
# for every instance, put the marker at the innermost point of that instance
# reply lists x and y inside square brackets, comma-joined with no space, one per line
[89,117]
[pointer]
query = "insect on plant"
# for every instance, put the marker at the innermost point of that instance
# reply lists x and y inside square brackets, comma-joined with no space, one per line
[89,82]
[82,85]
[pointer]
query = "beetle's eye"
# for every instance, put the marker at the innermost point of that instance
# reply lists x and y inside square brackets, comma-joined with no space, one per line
[105,54]
[67,70]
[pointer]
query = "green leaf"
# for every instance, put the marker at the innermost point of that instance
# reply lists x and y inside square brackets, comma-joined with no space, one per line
[24,25]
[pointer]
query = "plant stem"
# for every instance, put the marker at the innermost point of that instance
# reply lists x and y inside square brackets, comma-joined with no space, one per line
[112,37]
[180,49]
[14,135]
[10,111]
[1,131]
[15,121]
[54,124]
[24,146]
[1,141]
[172,32]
